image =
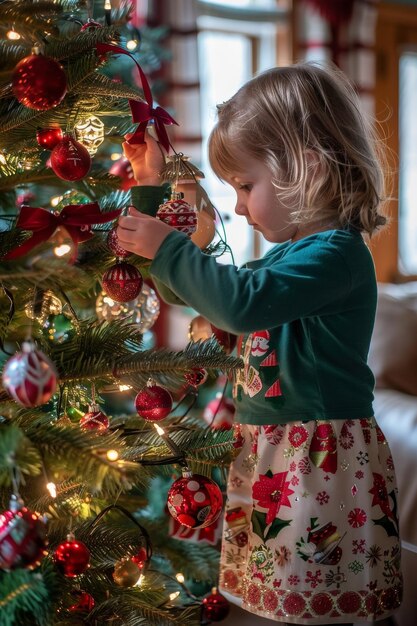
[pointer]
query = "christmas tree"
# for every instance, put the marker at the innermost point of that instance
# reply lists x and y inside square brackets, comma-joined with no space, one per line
[86,463]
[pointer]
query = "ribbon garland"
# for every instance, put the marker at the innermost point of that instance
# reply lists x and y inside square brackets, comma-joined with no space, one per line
[143,112]
[77,220]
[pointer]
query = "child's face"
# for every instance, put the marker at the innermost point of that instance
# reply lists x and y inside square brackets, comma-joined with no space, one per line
[257,201]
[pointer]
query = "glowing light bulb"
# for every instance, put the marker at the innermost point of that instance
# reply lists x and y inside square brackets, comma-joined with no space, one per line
[180,577]
[51,487]
[115,156]
[174,595]
[159,430]
[112,455]
[13,35]
[62,249]
[124,387]
[140,580]
[56,200]
[132,44]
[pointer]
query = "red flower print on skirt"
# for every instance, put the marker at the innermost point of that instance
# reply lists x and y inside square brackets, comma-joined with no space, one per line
[271,492]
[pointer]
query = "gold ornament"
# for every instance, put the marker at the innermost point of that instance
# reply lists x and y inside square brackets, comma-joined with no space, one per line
[43,304]
[143,310]
[90,132]
[126,573]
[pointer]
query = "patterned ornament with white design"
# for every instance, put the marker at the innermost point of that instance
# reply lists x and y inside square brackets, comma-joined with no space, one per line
[70,160]
[194,500]
[95,420]
[178,214]
[29,376]
[22,536]
[122,282]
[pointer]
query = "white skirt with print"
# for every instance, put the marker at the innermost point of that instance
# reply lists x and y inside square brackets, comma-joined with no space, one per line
[311,528]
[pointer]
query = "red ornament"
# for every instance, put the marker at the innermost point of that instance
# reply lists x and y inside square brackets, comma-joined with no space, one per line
[201,329]
[39,82]
[122,282]
[219,413]
[22,537]
[153,403]
[48,137]
[194,500]
[178,214]
[26,197]
[115,247]
[90,25]
[72,557]
[141,558]
[84,604]
[95,420]
[215,606]
[196,377]
[123,169]
[70,160]
[30,377]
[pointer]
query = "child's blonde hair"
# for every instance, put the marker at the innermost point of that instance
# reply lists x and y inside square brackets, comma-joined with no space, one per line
[304,122]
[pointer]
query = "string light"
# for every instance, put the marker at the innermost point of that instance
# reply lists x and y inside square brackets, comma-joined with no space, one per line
[112,455]
[124,387]
[51,487]
[132,44]
[13,35]
[139,582]
[159,430]
[180,578]
[115,156]
[56,200]
[62,249]
[174,595]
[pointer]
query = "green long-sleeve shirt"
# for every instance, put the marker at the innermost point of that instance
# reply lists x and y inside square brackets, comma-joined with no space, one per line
[305,313]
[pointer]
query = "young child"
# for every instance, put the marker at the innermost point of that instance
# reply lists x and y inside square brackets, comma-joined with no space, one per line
[311,529]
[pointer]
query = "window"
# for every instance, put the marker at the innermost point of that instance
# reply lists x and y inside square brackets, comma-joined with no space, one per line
[237,40]
[408,163]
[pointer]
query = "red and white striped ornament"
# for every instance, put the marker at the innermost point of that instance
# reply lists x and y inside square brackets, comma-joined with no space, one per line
[178,214]
[29,377]
[95,420]
[122,282]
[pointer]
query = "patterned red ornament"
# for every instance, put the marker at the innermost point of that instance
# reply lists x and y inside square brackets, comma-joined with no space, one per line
[84,602]
[115,247]
[153,403]
[219,413]
[70,160]
[194,500]
[123,169]
[48,137]
[122,282]
[22,537]
[201,329]
[215,606]
[196,377]
[30,377]
[39,82]
[178,214]
[141,558]
[95,420]
[72,557]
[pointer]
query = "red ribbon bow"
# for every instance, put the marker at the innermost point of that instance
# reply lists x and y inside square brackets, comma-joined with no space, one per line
[143,112]
[77,220]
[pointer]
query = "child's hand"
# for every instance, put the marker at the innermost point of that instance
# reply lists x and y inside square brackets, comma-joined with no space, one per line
[147,159]
[141,234]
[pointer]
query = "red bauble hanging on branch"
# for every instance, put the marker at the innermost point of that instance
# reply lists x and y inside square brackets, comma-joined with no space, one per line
[114,245]
[39,82]
[123,169]
[48,137]
[30,377]
[72,557]
[95,420]
[122,282]
[215,606]
[194,500]
[84,602]
[22,537]
[70,160]
[153,403]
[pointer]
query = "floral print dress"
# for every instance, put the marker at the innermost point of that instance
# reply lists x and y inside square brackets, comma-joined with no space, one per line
[311,530]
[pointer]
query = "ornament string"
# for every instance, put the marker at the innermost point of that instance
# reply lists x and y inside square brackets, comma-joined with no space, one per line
[143,112]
